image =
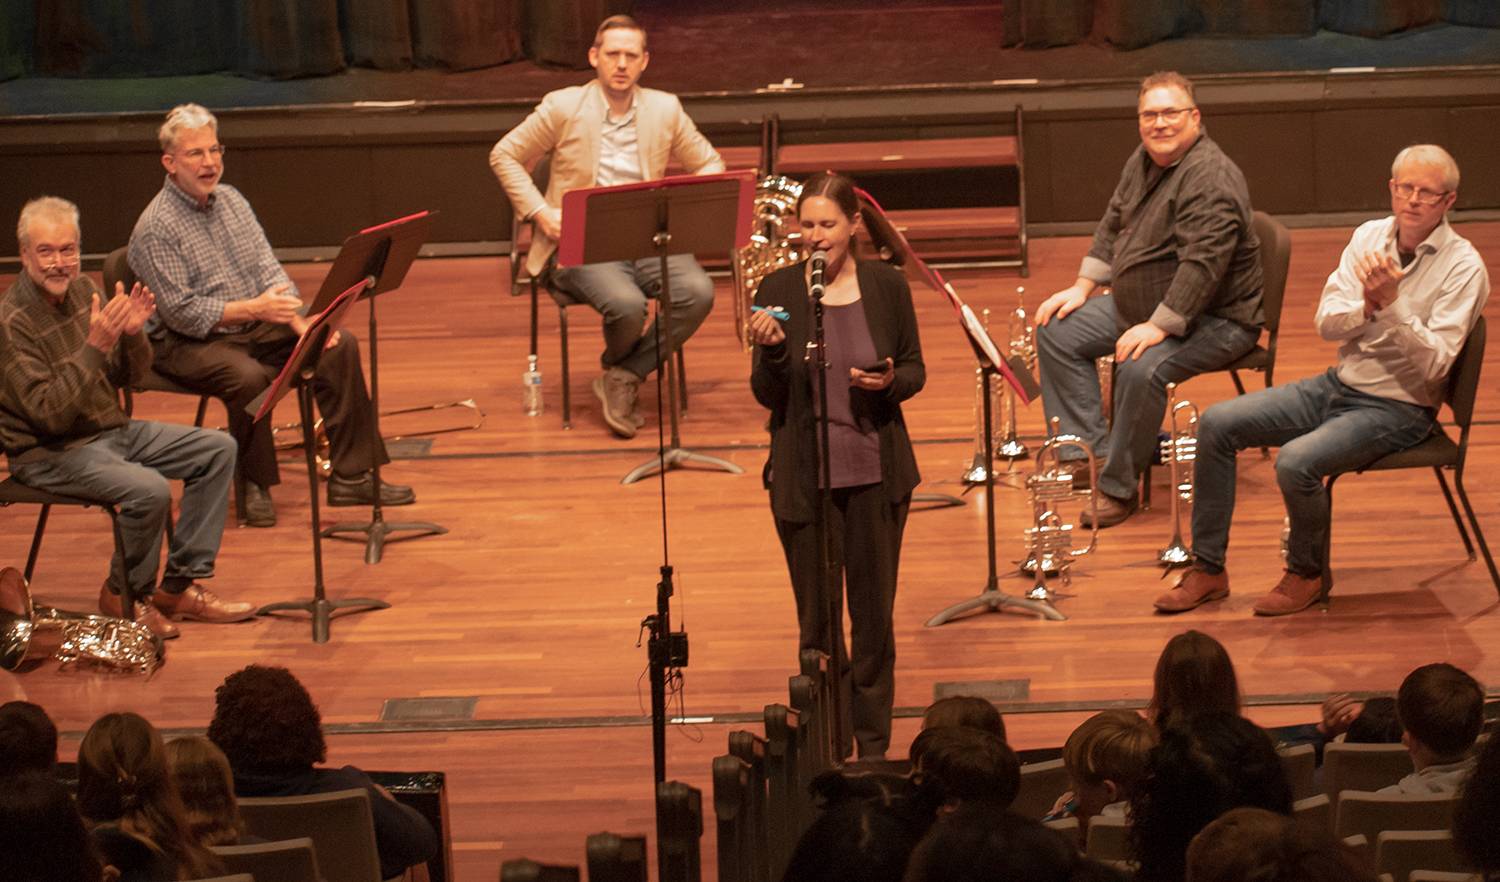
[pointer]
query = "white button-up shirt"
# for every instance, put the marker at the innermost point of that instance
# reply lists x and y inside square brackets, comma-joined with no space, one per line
[619,150]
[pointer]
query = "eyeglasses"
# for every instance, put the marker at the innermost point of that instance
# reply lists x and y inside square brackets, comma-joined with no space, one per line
[50,257]
[1419,195]
[198,154]
[1171,117]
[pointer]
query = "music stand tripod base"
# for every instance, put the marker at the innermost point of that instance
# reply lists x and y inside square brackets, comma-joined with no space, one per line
[995,600]
[676,457]
[322,609]
[377,532]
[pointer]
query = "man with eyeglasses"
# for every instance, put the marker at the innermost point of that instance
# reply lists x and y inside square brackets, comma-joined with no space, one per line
[1170,288]
[228,317]
[67,348]
[1400,304]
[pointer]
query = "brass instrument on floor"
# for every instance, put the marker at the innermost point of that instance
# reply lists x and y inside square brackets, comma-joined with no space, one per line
[29,632]
[775,242]
[1021,338]
[1049,542]
[979,471]
[1179,450]
[320,434]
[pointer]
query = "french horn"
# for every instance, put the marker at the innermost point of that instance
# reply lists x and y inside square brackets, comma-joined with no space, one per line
[29,632]
[1049,541]
[775,242]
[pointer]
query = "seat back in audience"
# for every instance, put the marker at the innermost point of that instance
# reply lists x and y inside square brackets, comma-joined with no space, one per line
[1300,764]
[339,823]
[731,776]
[681,812]
[803,694]
[1108,838]
[1399,852]
[1368,814]
[790,805]
[829,727]
[1314,814]
[237,877]
[290,860]
[614,858]
[1041,785]
[523,870]
[1068,827]
[1364,767]
[750,749]
[1437,876]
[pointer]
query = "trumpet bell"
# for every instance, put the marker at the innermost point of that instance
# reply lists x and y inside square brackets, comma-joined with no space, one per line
[29,633]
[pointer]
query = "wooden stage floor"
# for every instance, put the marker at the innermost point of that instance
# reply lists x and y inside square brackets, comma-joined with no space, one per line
[532,602]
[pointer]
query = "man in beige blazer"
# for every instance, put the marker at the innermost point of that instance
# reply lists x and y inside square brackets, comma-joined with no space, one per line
[606,132]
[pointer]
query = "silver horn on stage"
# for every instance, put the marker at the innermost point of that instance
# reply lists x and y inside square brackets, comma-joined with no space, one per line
[1180,450]
[29,632]
[320,433]
[979,471]
[1021,337]
[1049,541]
[775,242]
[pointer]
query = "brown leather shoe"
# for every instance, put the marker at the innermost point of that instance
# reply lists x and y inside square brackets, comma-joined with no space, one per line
[1193,589]
[1292,594]
[202,605]
[617,391]
[145,613]
[1112,511]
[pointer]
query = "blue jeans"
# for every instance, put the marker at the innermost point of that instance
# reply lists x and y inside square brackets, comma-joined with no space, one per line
[1323,428]
[1067,349]
[619,291]
[129,467]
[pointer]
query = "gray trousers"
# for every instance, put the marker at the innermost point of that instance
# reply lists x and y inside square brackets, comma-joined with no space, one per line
[619,291]
[129,466]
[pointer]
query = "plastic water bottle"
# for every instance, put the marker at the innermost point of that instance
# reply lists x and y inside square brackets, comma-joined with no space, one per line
[531,388]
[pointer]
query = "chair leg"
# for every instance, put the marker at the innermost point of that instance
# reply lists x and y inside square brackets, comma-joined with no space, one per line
[1458,520]
[1484,548]
[202,411]
[1239,386]
[36,541]
[1327,575]
[1146,488]
[681,380]
[127,599]
[567,383]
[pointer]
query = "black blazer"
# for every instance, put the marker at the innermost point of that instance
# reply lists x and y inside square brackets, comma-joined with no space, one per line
[781,381]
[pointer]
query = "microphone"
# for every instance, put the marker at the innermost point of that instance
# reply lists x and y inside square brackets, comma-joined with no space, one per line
[815,288]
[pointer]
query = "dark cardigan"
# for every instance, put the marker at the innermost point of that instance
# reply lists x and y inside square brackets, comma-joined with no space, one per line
[781,381]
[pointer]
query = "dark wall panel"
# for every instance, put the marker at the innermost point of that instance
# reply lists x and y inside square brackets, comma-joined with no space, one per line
[453,179]
[1476,147]
[1274,150]
[109,189]
[307,196]
[1085,162]
[1353,150]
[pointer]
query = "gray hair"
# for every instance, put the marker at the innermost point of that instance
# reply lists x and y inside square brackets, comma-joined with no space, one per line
[49,208]
[1432,156]
[184,118]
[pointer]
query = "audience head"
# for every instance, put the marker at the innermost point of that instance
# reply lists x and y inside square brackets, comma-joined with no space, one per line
[965,710]
[123,779]
[1106,759]
[201,773]
[28,739]
[1204,766]
[1478,806]
[1255,844]
[853,841]
[1193,675]
[985,843]
[1170,122]
[190,150]
[266,723]
[42,838]
[953,765]
[1441,709]
[1377,723]
[50,239]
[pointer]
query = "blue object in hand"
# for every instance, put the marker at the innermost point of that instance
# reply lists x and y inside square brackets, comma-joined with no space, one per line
[777,313]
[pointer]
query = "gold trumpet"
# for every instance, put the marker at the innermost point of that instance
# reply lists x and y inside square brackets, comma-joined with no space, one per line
[1049,542]
[29,632]
[320,434]
[1179,449]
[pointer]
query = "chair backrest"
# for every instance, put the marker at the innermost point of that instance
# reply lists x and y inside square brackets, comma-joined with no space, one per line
[340,823]
[290,860]
[1300,764]
[237,877]
[1108,838]
[1463,377]
[1398,852]
[523,870]
[117,269]
[1368,814]
[1437,876]
[613,858]
[1314,814]
[732,811]
[1041,785]
[1275,258]
[1362,767]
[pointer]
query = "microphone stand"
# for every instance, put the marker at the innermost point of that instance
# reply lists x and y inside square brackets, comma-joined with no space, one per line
[829,578]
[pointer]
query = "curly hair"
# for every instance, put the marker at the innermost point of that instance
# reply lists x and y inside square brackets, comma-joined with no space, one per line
[1193,674]
[266,722]
[1204,766]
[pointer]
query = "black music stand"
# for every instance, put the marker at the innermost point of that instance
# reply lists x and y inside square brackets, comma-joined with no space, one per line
[298,371]
[691,214]
[381,254]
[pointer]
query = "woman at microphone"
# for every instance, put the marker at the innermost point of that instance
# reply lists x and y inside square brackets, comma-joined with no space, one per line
[874,362]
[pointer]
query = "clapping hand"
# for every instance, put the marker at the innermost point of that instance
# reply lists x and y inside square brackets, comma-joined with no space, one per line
[1380,274]
[142,303]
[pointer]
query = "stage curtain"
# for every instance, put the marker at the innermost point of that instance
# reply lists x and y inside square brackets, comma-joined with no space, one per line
[289,38]
[1037,24]
[1129,25]
[110,38]
[376,33]
[1473,13]
[1376,18]
[561,32]
[17,37]
[1258,17]
[462,35]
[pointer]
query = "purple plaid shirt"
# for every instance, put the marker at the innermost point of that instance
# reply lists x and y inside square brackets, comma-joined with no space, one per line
[196,259]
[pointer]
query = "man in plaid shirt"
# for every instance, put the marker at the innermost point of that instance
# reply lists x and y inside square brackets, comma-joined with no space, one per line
[228,317]
[66,349]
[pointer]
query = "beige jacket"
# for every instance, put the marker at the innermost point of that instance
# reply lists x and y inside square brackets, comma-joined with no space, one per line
[568,124]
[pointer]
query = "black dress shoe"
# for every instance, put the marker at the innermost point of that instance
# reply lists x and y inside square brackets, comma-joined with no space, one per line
[361,491]
[259,511]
